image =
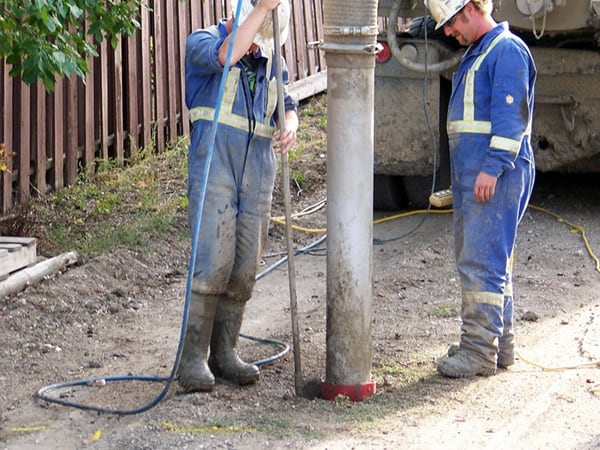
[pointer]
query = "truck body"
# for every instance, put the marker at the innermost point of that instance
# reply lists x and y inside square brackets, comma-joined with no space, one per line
[412,89]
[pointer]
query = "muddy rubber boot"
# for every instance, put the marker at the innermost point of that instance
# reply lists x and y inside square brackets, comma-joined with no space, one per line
[506,342]
[453,349]
[224,360]
[194,375]
[477,352]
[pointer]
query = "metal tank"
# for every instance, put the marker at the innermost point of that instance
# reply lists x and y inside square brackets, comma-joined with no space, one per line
[412,87]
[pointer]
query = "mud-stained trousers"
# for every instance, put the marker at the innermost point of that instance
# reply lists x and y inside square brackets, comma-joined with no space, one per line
[233,229]
[485,234]
[235,212]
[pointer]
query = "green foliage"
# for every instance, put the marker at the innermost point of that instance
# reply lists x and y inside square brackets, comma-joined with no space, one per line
[444,312]
[396,373]
[298,177]
[46,39]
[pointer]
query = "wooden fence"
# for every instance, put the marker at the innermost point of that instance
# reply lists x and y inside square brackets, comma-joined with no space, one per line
[132,98]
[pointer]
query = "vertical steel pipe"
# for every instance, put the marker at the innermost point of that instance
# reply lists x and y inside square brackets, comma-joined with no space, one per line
[350,31]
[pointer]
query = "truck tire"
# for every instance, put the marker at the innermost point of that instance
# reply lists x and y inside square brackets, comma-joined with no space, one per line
[388,193]
[418,189]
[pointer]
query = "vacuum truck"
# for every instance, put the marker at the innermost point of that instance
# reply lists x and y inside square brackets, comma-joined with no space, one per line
[413,84]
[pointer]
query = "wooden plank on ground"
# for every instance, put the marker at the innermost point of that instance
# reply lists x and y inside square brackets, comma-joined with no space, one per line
[307,87]
[16,253]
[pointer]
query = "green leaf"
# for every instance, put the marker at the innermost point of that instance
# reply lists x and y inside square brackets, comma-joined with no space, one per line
[46,39]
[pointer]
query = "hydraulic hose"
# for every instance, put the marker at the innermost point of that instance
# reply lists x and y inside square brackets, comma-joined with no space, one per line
[403,60]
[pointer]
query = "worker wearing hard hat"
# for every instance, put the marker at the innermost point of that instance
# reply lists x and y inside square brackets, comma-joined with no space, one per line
[489,131]
[239,189]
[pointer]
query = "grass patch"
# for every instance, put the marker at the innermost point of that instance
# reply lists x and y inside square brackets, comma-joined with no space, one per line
[444,312]
[311,141]
[389,371]
[119,205]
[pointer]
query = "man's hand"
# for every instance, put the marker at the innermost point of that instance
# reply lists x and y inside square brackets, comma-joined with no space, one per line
[485,187]
[269,5]
[284,141]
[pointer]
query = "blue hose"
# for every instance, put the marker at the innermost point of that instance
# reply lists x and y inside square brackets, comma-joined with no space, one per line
[42,393]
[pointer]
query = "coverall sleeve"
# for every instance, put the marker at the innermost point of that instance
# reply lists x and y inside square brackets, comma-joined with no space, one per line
[290,103]
[202,47]
[510,107]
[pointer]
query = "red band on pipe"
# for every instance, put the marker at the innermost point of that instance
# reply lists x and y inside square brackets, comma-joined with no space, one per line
[356,392]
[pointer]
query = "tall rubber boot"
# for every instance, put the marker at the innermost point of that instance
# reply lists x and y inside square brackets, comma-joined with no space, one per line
[478,349]
[506,342]
[224,360]
[194,374]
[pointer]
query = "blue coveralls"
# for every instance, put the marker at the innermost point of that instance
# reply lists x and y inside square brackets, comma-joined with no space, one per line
[243,166]
[489,130]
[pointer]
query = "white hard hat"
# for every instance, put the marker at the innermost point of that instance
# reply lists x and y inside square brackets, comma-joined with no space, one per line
[264,37]
[443,10]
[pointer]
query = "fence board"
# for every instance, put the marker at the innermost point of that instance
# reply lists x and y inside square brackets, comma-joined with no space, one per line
[58,159]
[89,144]
[7,137]
[172,87]
[117,104]
[299,39]
[131,94]
[133,97]
[146,71]
[24,141]
[71,142]
[159,74]
[39,118]
[185,28]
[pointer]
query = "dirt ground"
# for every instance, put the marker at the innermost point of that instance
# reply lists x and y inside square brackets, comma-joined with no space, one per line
[120,314]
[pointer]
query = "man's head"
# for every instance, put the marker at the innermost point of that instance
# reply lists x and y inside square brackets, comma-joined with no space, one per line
[444,11]
[465,20]
[264,37]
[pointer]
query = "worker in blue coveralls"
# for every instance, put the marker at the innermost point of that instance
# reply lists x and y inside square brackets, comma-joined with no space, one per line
[240,184]
[492,164]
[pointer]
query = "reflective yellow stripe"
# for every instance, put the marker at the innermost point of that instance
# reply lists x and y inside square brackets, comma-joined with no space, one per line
[508,289]
[227,117]
[463,126]
[502,143]
[490,298]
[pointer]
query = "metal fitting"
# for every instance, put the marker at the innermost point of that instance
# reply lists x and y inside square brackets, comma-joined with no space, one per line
[350,30]
[369,49]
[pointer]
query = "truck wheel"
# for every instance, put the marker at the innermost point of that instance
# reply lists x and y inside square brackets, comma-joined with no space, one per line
[388,193]
[418,189]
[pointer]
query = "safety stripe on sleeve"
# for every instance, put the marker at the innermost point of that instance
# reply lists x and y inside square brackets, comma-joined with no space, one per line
[502,143]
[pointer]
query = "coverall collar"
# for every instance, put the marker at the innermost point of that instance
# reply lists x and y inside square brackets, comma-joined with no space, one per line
[482,44]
